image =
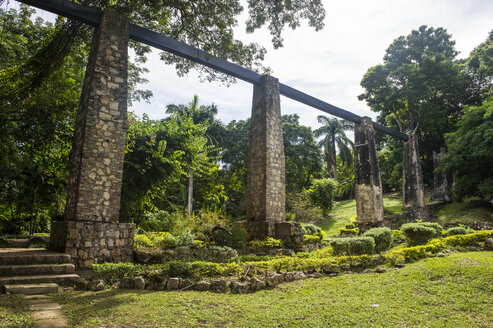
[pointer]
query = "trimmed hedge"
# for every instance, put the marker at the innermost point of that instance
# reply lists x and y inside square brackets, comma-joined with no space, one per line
[382,236]
[417,234]
[456,231]
[109,271]
[353,246]
[438,228]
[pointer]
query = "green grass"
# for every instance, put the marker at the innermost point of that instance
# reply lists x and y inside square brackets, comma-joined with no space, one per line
[468,211]
[14,312]
[344,210]
[454,291]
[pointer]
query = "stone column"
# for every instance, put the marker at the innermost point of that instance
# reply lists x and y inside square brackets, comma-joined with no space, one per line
[90,232]
[265,173]
[368,183]
[441,188]
[413,191]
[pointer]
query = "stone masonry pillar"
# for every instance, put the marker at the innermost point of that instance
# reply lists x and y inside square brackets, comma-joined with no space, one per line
[368,183]
[441,187]
[90,232]
[413,191]
[266,169]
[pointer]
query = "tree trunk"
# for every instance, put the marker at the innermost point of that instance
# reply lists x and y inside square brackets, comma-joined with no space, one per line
[334,159]
[190,193]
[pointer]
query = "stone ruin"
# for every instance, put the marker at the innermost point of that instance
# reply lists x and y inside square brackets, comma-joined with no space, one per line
[90,231]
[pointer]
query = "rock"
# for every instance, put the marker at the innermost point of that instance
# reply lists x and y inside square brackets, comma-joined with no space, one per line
[333,274]
[173,283]
[440,254]
[99,286]
[68,289]
[315,275]
[328,268]
[289,276]
[139,283]
[116,285]
[81,284]
[219,286]
[399,265]
[202,286]
[299,275]
[142,257]
[489,243]
[185,284]
[239,287]
[274,280]
[256,284]
[127,283]
[380,270]
[367,271]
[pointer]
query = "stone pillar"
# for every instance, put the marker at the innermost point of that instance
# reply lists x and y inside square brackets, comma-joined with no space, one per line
[266,189]
[413,191]
[441,188]
[368,183]
[90,232]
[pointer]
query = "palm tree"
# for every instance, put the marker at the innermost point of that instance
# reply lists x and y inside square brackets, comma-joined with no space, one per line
[334,136]
[199,115]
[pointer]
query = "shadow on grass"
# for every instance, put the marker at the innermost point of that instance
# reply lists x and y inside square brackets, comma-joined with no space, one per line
[81,307]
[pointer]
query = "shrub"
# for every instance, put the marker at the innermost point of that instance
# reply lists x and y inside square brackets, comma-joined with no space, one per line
[438,228]
[303,210]
[382,236]
[321,193]
[311,229]
[348,232]
[417,234]
[312,239]
[142,240]
[397,235]
[353,246]
[38,242]
[268,242]
[456,231]
[109,271]
[350,226]
[159,221]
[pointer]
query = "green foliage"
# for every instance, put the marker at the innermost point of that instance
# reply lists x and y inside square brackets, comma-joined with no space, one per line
[382,236]
[268,242]
[333,131]
[109,271]
[302,208]
[349,231]
[438,228]
[321,194]
[480,65]
[469,155]
[353,246]
[456,231]
[417,234]
[311,229]
[312,239]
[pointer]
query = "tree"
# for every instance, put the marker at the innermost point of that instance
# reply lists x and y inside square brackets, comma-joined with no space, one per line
[470,155]
[334,136]
[302,154]
[420,89]
[198,115]
[480,65]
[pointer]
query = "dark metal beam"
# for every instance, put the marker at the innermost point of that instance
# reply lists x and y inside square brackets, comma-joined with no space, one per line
[92,16]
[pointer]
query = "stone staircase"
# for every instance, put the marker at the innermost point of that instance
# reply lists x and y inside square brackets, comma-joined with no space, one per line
[33,271]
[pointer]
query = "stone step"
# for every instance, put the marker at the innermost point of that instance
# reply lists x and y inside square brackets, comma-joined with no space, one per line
[18,243]
[31,289]
[26,256]
[35,269]
[61,279]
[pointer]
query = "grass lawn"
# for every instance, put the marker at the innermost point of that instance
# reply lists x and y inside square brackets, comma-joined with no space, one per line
[455,291]
[468,211]
[344,210]
[14,312]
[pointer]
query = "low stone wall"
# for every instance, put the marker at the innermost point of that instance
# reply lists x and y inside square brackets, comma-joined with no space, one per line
[93,242]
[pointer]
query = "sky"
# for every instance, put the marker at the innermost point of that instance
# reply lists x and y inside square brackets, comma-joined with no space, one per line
[328,64]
